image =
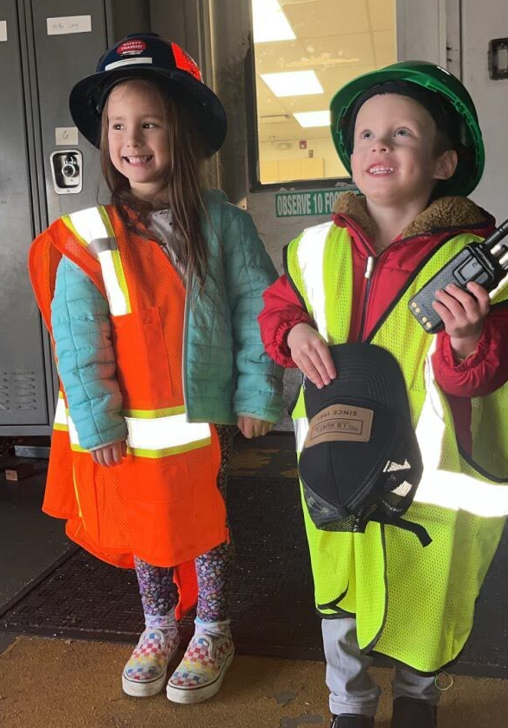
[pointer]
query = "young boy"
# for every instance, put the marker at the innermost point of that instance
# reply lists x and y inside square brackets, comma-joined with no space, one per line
[410,136]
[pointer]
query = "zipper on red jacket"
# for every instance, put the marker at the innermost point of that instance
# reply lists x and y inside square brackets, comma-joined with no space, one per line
[372,261]
[369,270]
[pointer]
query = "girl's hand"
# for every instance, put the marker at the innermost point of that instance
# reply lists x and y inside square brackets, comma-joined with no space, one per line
[250,427]
[463,315]
[110,454]
[311,354]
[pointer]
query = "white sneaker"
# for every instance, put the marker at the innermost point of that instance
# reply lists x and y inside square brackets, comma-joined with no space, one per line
[202,669]
[145,672]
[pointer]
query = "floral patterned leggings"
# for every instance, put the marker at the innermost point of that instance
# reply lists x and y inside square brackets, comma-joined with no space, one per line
[214,569]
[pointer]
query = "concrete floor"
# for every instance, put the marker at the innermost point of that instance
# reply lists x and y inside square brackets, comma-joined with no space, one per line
[71,684]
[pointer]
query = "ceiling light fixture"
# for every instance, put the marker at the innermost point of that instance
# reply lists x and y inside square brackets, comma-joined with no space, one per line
[295,83]
[270,23]
[313,118]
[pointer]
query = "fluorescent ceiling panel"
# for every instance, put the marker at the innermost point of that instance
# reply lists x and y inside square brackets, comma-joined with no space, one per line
[270,23]
[295,83]
[313,118]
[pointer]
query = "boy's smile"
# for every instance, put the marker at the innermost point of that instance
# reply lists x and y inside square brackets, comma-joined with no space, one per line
[138,137]
[393,161]
[380,169]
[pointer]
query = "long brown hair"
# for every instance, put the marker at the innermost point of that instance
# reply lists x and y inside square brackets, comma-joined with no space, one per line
[183,187]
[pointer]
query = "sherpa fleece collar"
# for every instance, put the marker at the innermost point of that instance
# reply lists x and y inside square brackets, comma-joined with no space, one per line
[444,213]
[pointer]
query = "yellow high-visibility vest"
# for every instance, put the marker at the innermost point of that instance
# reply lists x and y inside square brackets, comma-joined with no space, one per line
[411,603]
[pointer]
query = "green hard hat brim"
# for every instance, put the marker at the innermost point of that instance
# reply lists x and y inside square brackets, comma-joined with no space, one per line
[468,174]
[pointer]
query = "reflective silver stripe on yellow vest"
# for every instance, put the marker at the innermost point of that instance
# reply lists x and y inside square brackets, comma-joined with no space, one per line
[455,491]
[311,253]
[151,433]
[310,256]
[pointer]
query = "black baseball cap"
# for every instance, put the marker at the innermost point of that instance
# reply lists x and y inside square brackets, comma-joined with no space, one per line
[360,460]
[148,56]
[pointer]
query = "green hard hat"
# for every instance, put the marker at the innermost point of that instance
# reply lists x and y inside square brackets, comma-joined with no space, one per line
[433,78]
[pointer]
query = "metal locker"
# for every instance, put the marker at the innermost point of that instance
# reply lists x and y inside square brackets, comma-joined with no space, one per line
[61,60]
[23,384]
[46,169]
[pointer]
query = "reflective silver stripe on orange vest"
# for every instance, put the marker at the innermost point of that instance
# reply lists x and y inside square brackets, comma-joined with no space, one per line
[166,434]
[92,227]
[60,422]
[89,224]
[148,436]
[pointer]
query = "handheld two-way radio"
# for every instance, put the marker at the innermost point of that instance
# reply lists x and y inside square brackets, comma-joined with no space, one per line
[485,263]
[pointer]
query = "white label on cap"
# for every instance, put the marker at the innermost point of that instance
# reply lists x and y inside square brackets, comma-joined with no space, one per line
[69,24]
[3,30]
[65,135]
[127,62]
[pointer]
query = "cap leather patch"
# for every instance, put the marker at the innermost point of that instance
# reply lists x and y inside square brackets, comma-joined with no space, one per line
[344,423]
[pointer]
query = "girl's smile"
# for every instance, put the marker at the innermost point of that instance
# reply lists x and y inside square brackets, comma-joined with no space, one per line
[139,160]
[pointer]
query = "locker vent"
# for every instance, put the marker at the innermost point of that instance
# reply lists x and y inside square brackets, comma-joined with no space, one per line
[4,391]
[18,391]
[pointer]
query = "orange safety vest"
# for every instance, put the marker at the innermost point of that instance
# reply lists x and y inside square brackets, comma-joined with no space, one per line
[162,503]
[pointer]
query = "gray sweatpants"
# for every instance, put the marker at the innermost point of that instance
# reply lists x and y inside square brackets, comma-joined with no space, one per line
[352,690]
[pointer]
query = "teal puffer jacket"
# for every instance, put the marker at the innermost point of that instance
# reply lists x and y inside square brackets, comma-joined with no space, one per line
[226,370]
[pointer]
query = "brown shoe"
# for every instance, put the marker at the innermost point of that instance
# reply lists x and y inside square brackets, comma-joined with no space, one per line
[413,713]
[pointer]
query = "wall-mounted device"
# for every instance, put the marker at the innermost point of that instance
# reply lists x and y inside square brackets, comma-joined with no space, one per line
[498,59]
[67,171]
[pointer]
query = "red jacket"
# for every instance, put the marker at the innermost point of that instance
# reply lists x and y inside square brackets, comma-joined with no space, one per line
[481,373]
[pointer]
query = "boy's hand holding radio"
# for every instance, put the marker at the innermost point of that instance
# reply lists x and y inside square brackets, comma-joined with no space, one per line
[463,313]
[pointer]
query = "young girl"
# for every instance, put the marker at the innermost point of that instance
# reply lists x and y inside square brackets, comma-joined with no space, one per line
[152,305]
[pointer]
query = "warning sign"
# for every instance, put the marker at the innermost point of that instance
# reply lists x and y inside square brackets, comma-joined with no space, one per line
[310,202]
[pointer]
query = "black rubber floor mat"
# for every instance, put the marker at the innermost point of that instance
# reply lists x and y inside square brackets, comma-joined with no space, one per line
[272,611]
